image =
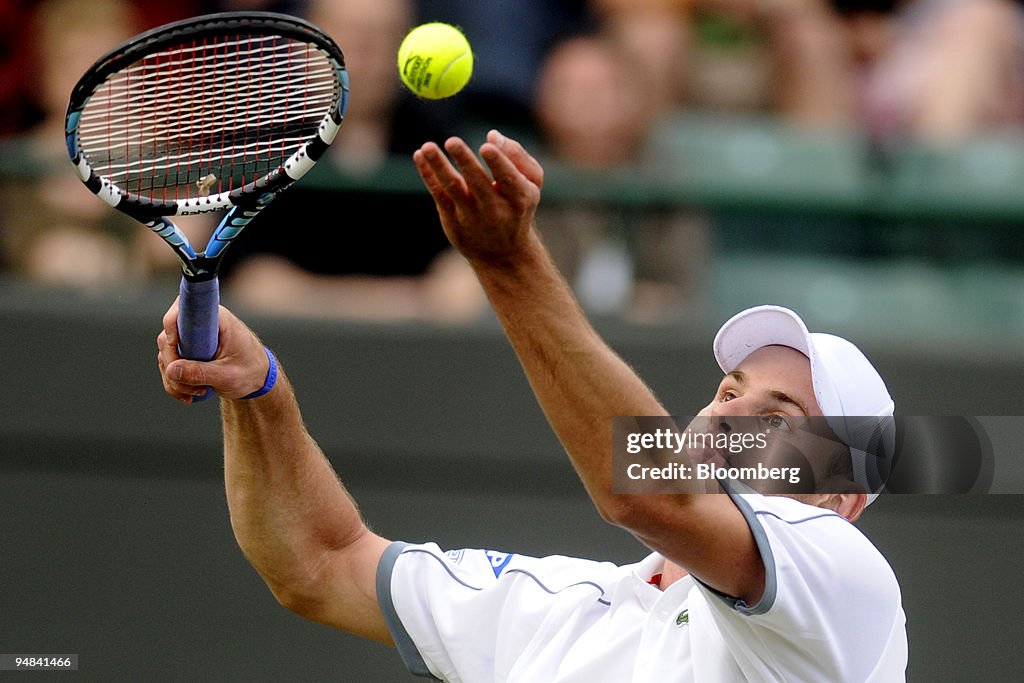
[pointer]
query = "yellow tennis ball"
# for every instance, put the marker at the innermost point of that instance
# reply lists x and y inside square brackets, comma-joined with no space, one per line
[435,60]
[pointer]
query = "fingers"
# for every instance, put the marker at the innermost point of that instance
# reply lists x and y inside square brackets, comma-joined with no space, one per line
[174,381]
[517,154]
[181,380]
[239,368]
[178,382]
[508,166]
[167,354]
[170,321]
[438,174]
[486,203]
[476,177]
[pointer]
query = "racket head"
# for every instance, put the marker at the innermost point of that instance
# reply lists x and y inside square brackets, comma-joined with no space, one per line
[217,112]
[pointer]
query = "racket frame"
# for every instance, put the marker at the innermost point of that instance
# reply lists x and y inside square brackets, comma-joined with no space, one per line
[199,289]
[242,203]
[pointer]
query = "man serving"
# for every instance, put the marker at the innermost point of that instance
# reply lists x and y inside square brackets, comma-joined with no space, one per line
[743,586]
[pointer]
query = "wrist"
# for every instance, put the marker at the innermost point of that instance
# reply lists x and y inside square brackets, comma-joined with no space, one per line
[271,378]
[523,260]
[528,285]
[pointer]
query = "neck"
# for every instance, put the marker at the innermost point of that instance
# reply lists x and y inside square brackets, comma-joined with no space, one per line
[671,573]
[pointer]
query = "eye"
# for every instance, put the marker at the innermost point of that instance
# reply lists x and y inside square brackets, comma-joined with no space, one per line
[726,395]
[777,422]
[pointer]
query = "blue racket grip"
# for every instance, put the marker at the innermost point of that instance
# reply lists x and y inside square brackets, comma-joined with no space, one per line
[198,322]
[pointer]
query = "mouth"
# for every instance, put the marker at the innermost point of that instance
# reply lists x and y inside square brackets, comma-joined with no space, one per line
[708,456]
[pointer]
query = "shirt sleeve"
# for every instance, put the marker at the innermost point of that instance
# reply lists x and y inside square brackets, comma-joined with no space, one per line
[830,597]
[472,614]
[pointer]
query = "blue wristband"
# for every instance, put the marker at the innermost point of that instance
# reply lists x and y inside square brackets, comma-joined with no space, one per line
[271,377]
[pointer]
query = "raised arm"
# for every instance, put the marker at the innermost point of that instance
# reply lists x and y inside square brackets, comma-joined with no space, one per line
[579,381]
[292,517]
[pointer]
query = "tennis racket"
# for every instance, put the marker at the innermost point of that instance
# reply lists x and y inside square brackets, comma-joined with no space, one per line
[218,112]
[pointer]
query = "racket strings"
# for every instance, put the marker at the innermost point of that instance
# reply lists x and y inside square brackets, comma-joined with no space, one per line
[235,109]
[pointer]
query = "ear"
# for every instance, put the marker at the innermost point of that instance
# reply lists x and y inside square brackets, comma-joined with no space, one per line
[850,505]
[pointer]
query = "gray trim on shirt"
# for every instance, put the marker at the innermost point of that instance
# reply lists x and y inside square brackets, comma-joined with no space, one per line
[407,649]
[771,582]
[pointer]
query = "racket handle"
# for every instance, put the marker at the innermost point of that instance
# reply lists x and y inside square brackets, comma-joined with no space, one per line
[198,321]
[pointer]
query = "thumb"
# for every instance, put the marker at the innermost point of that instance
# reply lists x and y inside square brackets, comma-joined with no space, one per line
[190,372]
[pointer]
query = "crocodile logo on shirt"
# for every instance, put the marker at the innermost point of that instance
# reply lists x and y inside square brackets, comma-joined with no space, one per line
[684,618]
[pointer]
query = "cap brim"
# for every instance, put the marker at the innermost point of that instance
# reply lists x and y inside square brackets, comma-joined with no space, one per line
[755,328]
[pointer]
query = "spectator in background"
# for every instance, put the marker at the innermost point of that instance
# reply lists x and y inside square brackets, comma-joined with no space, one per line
[294,7]
[937,71]
[658,34]
[785,57]
[376,257]
[18,112]
[594,110]
[54,230]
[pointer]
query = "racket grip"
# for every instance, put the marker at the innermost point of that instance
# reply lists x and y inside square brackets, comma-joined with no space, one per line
[198,321]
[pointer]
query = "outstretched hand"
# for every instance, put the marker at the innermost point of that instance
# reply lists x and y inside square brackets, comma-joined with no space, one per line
[486,212]
[239,368]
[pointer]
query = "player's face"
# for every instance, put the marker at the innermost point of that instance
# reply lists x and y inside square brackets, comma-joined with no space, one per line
[774,380]
[771,393]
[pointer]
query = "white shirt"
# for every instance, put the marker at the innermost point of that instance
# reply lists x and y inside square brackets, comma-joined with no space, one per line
[831,611]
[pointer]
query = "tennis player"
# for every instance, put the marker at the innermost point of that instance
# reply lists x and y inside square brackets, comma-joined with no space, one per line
[737,587]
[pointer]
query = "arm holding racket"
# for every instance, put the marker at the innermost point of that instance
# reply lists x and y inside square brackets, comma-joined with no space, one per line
[292,517]
[214,113]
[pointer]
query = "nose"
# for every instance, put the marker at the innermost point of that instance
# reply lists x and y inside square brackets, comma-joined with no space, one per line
[728,416]
[721,421]
[736,406]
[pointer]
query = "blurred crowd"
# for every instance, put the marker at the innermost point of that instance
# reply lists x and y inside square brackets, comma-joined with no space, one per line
[584,82]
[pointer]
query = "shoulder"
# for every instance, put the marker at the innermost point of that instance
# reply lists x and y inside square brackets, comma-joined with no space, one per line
[793,517]
[784,520]
[828,592]
[778,520]
[820,547]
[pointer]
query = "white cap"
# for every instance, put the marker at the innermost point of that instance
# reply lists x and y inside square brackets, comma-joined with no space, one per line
[846,385]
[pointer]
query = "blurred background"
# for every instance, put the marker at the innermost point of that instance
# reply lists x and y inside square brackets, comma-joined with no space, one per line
[857,160]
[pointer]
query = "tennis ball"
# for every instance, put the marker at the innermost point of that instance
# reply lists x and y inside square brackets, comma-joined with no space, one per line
[435,60]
